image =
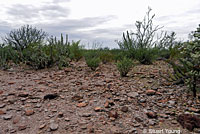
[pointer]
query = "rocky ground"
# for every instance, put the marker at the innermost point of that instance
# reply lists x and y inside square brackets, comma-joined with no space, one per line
[76,100]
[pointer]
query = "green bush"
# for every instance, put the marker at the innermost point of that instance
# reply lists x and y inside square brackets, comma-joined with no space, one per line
[22,37]
[106,57]
[4,56]
[145,56]
[92,59]
[36,56]
[75,51]
[124,66]
[187,71]
[93,63]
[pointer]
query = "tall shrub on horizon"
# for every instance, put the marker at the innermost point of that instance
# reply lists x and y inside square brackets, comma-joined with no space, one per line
[140,44]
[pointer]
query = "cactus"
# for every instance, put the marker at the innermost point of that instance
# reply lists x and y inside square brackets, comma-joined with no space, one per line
[187,71]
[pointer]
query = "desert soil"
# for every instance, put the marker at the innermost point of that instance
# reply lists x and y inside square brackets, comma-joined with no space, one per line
[82,101]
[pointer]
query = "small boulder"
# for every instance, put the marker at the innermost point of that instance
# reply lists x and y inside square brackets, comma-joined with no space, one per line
[151,114]
[189,121]
[150,92]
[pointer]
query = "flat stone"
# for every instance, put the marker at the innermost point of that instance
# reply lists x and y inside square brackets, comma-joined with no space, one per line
[142,100]
[23,94]
[7,117]
[16,120]
[136,125]
[84,87]
[82,104]
[113,114]
[151,114]
[124,109]
[86,114]
[77,98]
[139,119]
[151,123]
[98,109]
[164,116]
[29,112]
[2,112]
[22,127]
[42,126]
[194,110]
[2,105]
[60,114]
[53,126]
[150,92]
[172,102]
[132,94]
[67,119]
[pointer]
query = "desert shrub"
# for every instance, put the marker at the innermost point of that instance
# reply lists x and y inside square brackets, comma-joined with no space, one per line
[89,54]
[119,56]
[140,44]
[168,47]
[22,37]
[36,56]
[128,45]
[187,70]
[58,50]
[75,51]
[92,59]
[62,62]
[106,56]
[145,56]
[124,66]
[93,63]
[4,56]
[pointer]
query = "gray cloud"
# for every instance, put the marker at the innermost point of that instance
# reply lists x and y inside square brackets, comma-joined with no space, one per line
[58,1]
[75,24]
[28,13]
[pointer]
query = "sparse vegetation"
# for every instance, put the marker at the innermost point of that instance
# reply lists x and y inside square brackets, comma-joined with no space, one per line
[92,59]
[187,70]
[31,46]
[75,51]
[124,66]
[141,57]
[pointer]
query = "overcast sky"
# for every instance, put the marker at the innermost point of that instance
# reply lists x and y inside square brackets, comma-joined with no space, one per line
[101,21]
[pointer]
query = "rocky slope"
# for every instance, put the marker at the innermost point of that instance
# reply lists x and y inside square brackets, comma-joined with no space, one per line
[76,100]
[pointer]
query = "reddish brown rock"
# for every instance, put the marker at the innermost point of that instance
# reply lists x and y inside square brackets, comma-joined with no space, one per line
[98,109]
[194,110]
[108,104]
[84,87]
[150,92]
[22,127]
[82,104]
[124,109]
[60,114]
[29,112]
[189,121]
[68,70]
[77,98]
[42,126]
[151,114]
[2,112]
[16,120]
[11,83]
[23,94]
[113,114]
